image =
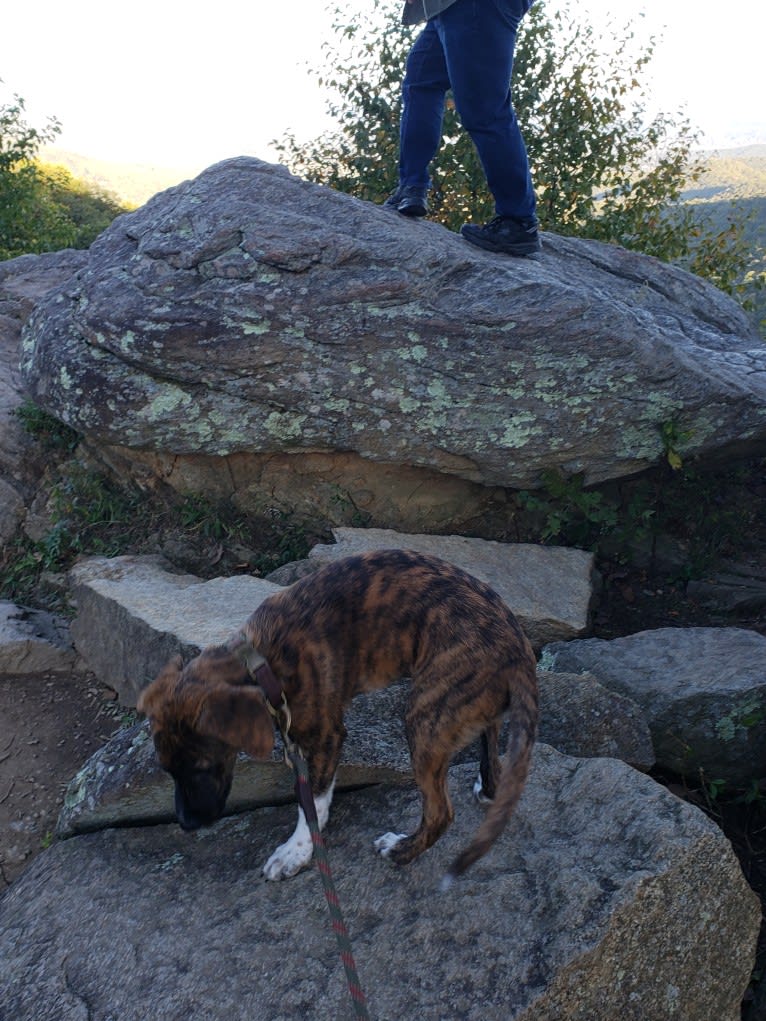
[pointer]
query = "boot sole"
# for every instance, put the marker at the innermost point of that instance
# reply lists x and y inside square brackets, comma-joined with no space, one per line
[412,211]
[404,208]
[520,248]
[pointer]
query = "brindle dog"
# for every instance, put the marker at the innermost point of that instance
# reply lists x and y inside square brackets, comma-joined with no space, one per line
[356,625]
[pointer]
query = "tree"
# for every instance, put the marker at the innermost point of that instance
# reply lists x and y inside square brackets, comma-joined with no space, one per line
[30,220]
[602,167]
[89,207]
[43,208]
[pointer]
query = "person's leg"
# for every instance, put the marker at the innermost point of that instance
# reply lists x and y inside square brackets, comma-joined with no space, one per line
[423,90]
[425,84]
[478,38]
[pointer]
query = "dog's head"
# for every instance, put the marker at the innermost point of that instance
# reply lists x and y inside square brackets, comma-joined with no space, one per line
[201,715]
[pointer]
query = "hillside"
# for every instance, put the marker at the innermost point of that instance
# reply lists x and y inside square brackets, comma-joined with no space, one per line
[133,183]
[734,184]
[732,173]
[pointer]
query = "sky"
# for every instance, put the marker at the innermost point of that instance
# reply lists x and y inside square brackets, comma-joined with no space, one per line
[185,85]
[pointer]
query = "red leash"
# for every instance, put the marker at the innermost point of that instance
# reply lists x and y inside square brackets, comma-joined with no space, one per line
[306,801]
[262,675]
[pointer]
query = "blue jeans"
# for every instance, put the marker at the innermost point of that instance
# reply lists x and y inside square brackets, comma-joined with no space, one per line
[468,48]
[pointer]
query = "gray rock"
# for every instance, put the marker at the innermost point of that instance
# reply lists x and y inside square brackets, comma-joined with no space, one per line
[133,614]
[606,898]
[33,642]
[262,324]
[734,588]
[703,691]
[23,281]
[288,574]
[580,717]
[550,589]
[122,783]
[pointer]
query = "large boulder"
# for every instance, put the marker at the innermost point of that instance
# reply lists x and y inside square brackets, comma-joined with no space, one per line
[703,691]
[605,898]
[257,335]
[23,282]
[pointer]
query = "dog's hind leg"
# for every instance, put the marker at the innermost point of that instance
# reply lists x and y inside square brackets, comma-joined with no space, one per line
[431,777]
[295,854]
[489,765]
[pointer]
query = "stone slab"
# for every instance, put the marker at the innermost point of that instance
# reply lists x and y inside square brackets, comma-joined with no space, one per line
[133,614]
[550,589]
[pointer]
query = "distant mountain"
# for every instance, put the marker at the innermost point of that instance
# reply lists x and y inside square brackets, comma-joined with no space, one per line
[133,183]
[733,186]
[732,173]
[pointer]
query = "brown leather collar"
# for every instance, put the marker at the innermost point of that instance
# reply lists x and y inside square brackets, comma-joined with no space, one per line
[259,670]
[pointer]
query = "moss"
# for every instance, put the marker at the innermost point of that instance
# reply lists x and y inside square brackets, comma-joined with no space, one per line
[284,426]
[409,404]
[255,329]
[165,403]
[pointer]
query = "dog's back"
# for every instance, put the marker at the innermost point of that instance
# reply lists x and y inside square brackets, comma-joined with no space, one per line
[384,615]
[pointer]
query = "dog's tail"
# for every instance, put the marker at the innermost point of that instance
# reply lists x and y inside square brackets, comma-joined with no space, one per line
[515,768]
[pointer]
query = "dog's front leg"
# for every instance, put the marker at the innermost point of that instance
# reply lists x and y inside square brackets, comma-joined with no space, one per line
[290,857]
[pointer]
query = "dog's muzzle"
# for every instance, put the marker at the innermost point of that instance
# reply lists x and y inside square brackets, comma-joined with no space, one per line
[202,805]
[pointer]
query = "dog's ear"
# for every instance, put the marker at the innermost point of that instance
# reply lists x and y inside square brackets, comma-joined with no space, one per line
[153,697]
[238,716]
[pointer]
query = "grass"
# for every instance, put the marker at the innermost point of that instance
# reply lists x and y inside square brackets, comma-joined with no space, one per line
[89,514]
[708,514]
[52,434]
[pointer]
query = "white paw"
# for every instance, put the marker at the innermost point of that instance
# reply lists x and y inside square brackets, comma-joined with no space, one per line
[288,859]
[385,844]
[478,793]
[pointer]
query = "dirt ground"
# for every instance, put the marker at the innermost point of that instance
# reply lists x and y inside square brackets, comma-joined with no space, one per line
[49,725]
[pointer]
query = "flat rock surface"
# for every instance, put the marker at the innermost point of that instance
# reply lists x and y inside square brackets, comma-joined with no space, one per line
[703,691]
[605,898]
[33,641]
[549,589]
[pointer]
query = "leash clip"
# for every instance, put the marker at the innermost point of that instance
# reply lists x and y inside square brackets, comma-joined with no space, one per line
[283,719]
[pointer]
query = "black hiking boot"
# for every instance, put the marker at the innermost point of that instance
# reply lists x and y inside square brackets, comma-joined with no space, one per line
[409,201]
[504,234]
